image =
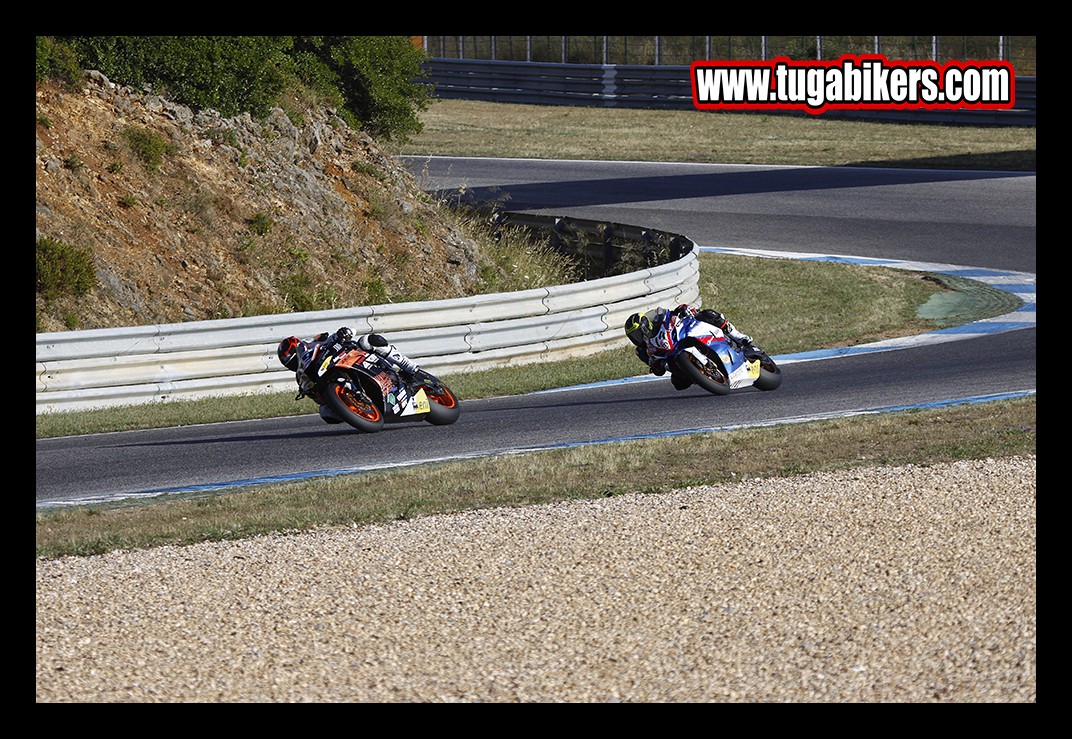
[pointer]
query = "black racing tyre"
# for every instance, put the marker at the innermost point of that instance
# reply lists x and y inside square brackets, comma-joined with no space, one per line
[770,375]
[351,404]
[708,376]
[443,406]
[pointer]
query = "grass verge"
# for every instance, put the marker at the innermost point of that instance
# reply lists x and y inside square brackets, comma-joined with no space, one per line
[997,429]
[479,128]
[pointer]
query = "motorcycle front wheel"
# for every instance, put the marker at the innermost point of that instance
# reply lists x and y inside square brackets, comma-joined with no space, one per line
[708,376]
[770,375]
[352,405]
[443,405]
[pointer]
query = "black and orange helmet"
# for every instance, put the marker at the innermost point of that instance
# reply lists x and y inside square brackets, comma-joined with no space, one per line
[288,353]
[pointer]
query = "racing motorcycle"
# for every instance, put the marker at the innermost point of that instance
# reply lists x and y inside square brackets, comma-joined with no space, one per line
[365,390]
[707,357]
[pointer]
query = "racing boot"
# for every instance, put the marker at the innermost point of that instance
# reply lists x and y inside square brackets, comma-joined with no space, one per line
[328,416]
[680,382]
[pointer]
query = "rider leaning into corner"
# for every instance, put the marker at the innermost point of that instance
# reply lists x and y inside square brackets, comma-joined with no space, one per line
[640,328]
[297,354]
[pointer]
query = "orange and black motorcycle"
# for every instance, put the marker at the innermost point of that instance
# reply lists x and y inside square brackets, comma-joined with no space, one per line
[365,390]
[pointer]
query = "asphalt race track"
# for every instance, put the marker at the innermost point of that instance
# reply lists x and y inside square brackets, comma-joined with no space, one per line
[979,220]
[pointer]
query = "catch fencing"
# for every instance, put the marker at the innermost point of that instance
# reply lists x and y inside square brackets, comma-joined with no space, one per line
[1020,51]
[87,370]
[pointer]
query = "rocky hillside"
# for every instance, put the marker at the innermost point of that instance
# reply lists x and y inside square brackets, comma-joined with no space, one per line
[190,216]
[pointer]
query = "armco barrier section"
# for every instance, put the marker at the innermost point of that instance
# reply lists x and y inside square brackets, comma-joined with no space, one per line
[101,368]
[657,87]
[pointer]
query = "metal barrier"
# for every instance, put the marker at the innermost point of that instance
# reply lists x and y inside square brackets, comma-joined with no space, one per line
[86,370]
[677,50]
[655,87]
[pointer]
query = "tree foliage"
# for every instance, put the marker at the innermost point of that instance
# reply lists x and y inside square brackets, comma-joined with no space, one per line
[376,81]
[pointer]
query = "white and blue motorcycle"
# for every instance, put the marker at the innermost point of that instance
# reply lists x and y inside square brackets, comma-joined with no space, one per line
[707,357]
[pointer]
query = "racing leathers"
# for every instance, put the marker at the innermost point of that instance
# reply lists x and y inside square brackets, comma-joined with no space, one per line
[641,328]
[374,343]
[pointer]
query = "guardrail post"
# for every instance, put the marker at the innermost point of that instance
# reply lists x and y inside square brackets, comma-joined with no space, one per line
[679,247]
[556,231]
[606,233]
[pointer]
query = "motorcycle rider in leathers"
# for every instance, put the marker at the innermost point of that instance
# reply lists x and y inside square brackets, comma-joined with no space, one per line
[296,354]
[641,327]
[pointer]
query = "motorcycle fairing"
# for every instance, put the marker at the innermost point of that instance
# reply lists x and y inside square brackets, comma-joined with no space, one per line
[681,334]
[402,404]
[347,359]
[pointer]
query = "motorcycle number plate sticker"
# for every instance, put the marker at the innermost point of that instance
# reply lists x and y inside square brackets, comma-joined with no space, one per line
[753,369]
[421,402]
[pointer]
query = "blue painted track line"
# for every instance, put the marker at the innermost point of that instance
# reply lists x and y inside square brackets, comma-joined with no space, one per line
[318,474]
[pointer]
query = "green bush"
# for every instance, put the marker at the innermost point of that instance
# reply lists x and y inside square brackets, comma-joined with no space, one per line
[63,269]
[148,146]
[58,61]
[375,81]
[231,74]
[260,223]
[379,77]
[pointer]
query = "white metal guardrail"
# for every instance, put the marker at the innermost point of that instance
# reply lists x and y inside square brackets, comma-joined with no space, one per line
[86,370]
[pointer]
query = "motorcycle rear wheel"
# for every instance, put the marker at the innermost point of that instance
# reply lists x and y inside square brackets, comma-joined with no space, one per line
[708,376]
[353,406]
